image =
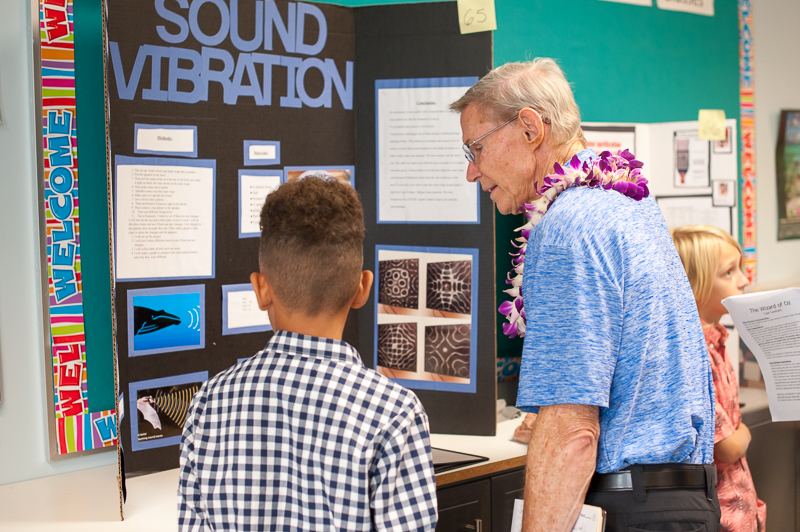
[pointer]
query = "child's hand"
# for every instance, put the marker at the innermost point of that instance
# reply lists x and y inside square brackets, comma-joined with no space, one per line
[734,446]
[523,433]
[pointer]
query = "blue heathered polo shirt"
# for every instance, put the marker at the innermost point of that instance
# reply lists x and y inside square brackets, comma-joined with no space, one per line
[612,322]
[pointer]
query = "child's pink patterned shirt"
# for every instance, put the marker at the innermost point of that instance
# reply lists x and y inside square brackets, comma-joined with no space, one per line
[742,511]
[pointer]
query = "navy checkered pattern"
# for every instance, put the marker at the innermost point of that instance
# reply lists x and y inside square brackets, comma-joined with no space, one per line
[302,436]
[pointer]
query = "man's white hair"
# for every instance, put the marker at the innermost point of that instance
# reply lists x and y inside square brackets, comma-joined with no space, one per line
[539,84]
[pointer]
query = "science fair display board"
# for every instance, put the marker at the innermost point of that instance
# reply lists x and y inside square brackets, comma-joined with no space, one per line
[212,105]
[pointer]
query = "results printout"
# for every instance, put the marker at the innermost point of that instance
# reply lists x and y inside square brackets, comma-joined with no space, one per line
[164,221]
[421,165]
[769,323]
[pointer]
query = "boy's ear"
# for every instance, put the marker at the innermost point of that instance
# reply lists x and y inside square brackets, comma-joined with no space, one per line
[262,289]
[364,286]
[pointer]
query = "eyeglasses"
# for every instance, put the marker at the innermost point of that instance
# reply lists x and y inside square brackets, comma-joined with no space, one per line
[468,152]
[467,147]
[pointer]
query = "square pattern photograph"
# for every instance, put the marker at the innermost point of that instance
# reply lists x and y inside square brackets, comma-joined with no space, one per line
[425,333]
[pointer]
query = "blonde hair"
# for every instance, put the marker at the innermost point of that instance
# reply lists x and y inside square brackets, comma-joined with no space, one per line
[699,248]
[539,84]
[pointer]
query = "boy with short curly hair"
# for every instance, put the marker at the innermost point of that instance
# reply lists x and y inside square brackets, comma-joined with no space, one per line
[303,436]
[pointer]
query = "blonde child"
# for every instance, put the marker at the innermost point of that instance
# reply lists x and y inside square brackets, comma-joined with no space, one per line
[713,263]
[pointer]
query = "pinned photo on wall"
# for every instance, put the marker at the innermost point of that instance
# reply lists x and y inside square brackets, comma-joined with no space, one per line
[240,311]
[162,320]
[724,146]
[344,174]
[692,160]
[425,326]
[723,193]
[254,187]
[159,407]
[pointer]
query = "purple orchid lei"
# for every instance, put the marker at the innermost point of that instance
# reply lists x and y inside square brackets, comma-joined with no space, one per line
[620,172]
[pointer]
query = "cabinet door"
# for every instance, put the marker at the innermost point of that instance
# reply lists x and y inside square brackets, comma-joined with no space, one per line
[465,508]
[505,489]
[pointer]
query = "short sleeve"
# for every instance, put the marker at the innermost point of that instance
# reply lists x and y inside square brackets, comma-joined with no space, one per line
[574,314]
[191,514]
[402,482]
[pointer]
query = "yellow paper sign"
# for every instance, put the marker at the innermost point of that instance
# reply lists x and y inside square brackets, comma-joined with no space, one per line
[476,15]
[712,124]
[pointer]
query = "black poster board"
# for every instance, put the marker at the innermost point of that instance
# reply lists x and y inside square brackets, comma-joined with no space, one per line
[423,41]
[308,136]
[322,118]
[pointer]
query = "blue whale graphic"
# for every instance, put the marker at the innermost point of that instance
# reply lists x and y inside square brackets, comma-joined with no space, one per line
[147,320]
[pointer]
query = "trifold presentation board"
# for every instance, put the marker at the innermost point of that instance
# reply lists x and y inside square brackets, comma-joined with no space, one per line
[212,105]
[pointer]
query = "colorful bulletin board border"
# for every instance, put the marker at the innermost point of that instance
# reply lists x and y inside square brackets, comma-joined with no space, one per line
[249,161]
[414,252]
[166,319]
[748,131]
[178,405]
[137,149]
[226,329]
[76,428]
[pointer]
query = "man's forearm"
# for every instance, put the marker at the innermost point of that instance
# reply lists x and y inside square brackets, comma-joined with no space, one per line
[561,459]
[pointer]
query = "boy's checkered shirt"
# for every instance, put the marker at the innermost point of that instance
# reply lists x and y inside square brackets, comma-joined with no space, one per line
[303,436]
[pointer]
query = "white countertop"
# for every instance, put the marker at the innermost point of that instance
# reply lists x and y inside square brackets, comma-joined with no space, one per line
[88,501]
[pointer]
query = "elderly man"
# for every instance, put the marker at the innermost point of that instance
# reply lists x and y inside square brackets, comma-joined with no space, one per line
[614,360]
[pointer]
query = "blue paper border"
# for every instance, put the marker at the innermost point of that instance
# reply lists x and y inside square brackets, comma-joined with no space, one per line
[242,287]
[137,127]
[352,169]
[134,387]
[473,348]
[158,161]
[262,162]
[412,83]
[270,173]
[183,289]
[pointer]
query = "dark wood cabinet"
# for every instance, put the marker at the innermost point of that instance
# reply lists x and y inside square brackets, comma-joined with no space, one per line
[465,508]
[484,504]
[775,465]
[505,489]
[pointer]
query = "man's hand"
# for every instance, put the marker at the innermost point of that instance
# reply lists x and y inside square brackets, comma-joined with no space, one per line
[562,455]
[523,433]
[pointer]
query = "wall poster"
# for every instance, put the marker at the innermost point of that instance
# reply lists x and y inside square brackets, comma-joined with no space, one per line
[787,173]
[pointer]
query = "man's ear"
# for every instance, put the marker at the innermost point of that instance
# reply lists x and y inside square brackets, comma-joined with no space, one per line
[364,287]
[263,290]
[533,126]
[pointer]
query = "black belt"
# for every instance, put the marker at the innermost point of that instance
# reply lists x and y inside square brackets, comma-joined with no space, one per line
[663,478]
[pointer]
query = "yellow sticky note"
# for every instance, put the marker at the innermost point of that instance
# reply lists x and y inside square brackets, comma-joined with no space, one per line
[712,124]
[476,15]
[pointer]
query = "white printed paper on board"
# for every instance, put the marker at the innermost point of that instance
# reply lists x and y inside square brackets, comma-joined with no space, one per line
[696,7]
[165,221]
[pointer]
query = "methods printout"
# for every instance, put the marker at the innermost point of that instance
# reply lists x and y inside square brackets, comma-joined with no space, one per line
[769,323]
